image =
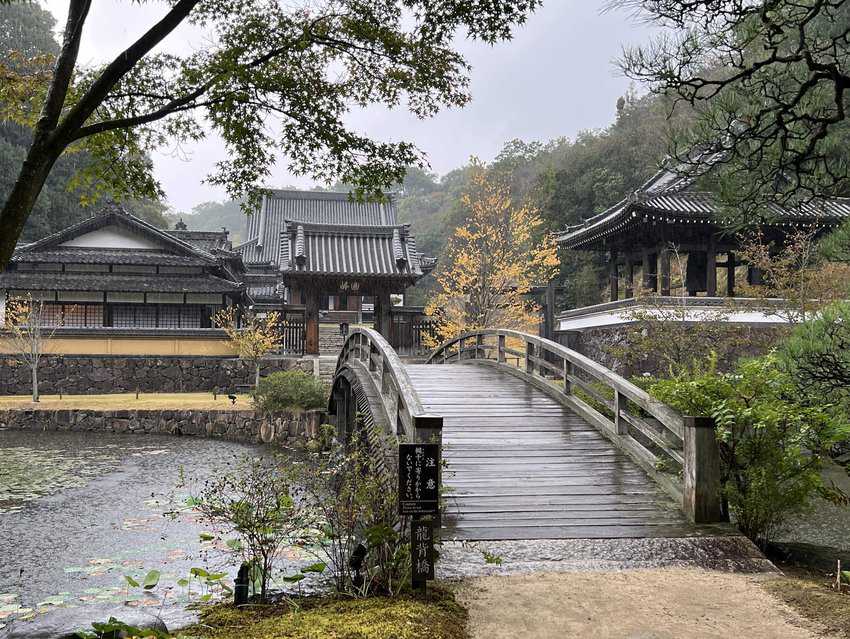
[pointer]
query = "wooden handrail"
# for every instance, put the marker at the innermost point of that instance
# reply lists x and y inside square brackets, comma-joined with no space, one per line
[654,435]
[368,348]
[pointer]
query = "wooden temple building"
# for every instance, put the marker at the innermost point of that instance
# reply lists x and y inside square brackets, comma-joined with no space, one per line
[118,285]
[669,217]
[336,258]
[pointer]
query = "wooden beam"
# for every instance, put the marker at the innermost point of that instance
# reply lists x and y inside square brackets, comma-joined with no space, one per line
[650,279]
[630,276]
[711,269]
[664,270]
[613,276]
[730,274]
[310,296]
[382,312]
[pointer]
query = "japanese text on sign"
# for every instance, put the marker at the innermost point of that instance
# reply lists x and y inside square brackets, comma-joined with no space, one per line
[418,478]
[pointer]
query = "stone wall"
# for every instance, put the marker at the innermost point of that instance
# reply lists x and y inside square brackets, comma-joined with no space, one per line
[238,425]
[603,344]
[74,375]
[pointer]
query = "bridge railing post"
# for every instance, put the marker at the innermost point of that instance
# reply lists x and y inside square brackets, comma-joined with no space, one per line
[702,500]
[480,353]
[501,349]
[529,361]
[620,407]
[568,371]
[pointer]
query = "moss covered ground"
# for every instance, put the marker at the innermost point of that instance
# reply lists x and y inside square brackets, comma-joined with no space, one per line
[437,617]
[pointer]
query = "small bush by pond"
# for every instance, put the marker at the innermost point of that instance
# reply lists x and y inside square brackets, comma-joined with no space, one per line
[290,390]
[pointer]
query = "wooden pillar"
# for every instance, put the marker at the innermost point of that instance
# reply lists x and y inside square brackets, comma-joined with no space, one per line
[650,279]
[613,276]
[549,309]
[630,276]
[702,499]
[311,317]
[664,270]
[711,269]
[730,274]
[382,312]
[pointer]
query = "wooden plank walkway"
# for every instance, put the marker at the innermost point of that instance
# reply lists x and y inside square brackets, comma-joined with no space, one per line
[521,466]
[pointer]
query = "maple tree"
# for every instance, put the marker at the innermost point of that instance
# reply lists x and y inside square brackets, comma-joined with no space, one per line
[492,261]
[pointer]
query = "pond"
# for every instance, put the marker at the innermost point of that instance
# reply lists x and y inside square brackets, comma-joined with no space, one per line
[79,511]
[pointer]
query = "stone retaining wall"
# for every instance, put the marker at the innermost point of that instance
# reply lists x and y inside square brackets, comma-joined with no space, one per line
[602,345]
[238,425]
[96,375]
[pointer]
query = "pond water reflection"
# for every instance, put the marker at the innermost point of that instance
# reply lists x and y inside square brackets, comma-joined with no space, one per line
[79,511]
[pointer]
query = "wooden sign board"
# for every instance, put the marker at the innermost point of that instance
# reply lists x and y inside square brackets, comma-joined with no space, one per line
[418,479]
[421,551]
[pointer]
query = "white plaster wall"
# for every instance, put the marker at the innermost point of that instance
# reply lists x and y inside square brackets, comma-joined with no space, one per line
[111,237]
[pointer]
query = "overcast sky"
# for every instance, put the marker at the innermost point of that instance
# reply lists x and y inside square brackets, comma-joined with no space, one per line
[555,78]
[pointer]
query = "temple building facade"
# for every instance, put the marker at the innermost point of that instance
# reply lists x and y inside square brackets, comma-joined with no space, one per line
[669,218]
[115,284]
[338,259]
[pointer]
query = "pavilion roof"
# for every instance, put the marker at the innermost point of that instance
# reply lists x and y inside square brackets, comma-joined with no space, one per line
[345,250]
[670,198]
[265,227]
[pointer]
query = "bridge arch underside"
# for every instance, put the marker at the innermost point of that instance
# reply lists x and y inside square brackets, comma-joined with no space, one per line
[522,465]
[354,396]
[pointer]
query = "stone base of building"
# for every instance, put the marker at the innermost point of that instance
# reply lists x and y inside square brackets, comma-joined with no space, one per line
[238,425]
[81,375]
[602,345]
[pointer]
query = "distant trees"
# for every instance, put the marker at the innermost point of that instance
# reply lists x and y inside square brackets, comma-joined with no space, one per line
[491,262]
[27,45]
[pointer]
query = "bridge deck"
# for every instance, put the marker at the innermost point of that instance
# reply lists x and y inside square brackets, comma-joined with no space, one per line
[521,466]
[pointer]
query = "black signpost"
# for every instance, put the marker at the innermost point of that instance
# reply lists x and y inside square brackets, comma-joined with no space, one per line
[418,495]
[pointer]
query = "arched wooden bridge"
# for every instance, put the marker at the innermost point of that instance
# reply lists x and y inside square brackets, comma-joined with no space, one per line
[539,441]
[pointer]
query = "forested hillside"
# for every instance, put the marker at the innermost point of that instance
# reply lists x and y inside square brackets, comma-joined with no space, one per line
[568,179]
[28,30]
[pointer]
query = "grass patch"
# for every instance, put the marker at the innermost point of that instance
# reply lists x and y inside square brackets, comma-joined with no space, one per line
[128,401]
[812,597]
[438,617]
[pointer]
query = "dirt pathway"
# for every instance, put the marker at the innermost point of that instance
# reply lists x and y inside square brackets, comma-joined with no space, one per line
[644,604]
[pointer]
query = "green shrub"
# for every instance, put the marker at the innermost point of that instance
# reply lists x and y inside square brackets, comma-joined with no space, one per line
[817,354]
[772,439]
[290,390]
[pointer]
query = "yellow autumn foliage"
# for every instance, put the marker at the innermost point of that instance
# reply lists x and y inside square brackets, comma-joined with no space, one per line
[254,336]
[491,263]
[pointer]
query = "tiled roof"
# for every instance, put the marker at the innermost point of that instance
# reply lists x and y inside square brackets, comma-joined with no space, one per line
[115,283]
[668,197]
[79,255]
[309,207]
[116,214]
[387,251]
[204,240]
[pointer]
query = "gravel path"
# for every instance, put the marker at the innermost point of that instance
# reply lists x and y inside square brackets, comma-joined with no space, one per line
[645,604]
[730,553]
[826,524]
